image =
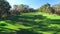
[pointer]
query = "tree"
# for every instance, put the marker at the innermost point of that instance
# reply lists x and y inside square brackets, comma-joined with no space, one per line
[56,8]
[21,8]
[4,8]
[47,8]
[14,13]
[32,10]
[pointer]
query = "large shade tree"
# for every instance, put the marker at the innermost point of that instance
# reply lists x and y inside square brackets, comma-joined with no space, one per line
[4,8]
[46,8]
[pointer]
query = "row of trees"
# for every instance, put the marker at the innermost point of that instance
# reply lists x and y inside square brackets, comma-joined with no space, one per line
[5,9]
[55,9]
[47,8]
[18,9]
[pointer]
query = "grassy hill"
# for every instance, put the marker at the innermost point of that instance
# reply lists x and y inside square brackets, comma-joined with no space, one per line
[32,23]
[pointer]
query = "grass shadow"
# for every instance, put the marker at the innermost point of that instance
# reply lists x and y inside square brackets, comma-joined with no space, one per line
[26,31]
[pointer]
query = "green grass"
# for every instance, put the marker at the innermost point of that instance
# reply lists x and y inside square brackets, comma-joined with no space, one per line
[32,23]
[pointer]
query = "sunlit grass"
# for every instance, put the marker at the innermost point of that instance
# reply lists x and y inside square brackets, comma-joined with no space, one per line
[31,22]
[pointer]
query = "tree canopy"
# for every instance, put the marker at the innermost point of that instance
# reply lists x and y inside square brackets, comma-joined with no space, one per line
[4,7]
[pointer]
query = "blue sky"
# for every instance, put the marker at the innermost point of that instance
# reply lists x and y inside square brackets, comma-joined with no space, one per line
[33,3]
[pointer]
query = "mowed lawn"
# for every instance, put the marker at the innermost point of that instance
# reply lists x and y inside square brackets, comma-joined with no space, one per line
[32,23]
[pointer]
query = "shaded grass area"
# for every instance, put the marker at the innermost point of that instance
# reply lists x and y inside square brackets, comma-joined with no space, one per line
[31,24]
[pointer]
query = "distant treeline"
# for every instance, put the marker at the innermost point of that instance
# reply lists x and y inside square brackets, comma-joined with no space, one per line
[6,11]
[47,8]
[54,9]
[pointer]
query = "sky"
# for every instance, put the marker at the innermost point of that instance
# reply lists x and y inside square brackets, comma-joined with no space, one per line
[33,3]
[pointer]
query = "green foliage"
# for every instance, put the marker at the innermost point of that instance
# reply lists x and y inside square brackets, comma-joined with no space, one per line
[14,13]
[57,8]
[4,7]
[46,8]
[23,8]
